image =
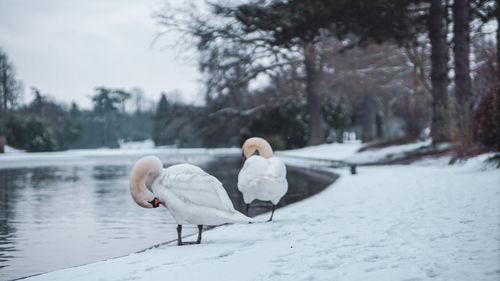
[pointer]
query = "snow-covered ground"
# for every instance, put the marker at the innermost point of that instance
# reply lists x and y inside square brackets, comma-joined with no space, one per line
[425,221]
[332,151]
[9,149]
[108,155]
[347,152]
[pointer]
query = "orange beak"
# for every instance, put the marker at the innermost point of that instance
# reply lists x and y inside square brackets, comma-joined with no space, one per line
[156,202]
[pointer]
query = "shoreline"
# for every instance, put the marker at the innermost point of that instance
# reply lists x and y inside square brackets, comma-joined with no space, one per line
[322,172]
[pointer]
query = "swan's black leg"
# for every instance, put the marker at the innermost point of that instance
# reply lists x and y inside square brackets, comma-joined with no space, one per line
[179,238]
[272,213]
[247,209]
[200,229]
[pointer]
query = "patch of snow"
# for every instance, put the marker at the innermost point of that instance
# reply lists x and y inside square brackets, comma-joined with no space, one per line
[398,222]
[347,152]
[386,153]
[9,149]
[145,144]
[331,151]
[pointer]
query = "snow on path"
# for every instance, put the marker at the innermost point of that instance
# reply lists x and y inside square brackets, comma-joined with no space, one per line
[414,222]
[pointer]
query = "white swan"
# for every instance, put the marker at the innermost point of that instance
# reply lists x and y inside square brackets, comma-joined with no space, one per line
[263,176]
[190,194]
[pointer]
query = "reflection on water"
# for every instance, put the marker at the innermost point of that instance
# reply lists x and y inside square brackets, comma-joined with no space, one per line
[61,216]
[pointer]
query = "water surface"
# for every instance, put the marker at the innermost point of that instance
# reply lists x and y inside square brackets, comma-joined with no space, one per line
[67,214]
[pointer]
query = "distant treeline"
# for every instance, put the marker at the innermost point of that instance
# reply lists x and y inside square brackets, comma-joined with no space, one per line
[45,125]
[278,111]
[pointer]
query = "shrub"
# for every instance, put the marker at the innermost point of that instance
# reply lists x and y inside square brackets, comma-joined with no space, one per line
[487,119]
[28,133]
[284,125]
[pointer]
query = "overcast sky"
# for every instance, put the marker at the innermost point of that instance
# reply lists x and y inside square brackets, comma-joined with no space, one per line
[66,48]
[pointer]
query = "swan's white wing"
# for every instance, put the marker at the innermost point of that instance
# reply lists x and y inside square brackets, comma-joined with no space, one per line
[276,168]
[193,185]
[254,167]
[263,179]
[257,167]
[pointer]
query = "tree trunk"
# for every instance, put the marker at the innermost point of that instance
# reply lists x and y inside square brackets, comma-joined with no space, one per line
[5,88]
[316,134]
[411,118]
[463,88]
[368,115]
[440,126]
[379,121]
[498,40]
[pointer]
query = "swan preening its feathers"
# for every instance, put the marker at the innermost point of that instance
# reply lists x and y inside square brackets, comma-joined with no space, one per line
[263,176]
[145,170]
[190,194]
[194,197]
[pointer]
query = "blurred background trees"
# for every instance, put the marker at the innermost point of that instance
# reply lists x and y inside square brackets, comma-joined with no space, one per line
[297,73]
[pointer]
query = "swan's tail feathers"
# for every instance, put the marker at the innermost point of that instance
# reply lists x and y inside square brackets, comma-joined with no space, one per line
[149,166]
[237,217]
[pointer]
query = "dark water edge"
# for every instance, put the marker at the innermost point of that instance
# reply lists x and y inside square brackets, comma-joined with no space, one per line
[103,181]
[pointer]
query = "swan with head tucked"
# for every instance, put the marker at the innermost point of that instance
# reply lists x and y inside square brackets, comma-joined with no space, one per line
[263,176]
[190,194]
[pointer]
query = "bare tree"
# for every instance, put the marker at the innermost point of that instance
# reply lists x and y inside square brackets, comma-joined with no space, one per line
[485,66]
[10,88]
[384,83]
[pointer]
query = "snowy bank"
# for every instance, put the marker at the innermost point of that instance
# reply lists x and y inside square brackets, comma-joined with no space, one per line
[347,152]
[423,221]
[108,155]
[9,149]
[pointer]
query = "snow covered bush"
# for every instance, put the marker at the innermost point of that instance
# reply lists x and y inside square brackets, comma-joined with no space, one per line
[28,133]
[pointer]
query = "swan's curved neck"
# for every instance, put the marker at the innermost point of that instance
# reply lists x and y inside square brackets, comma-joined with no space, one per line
[258,144]
[146,169]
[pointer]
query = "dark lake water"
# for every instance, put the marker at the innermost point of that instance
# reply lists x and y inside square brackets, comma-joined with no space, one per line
[66,214]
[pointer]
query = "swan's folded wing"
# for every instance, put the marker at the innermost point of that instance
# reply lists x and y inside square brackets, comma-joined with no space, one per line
[193,185]
[252,170]
[276,168]
[257,168]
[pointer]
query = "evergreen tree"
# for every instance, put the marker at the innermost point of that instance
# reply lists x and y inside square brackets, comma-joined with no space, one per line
[105,118]
[160,134]
[28,133]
